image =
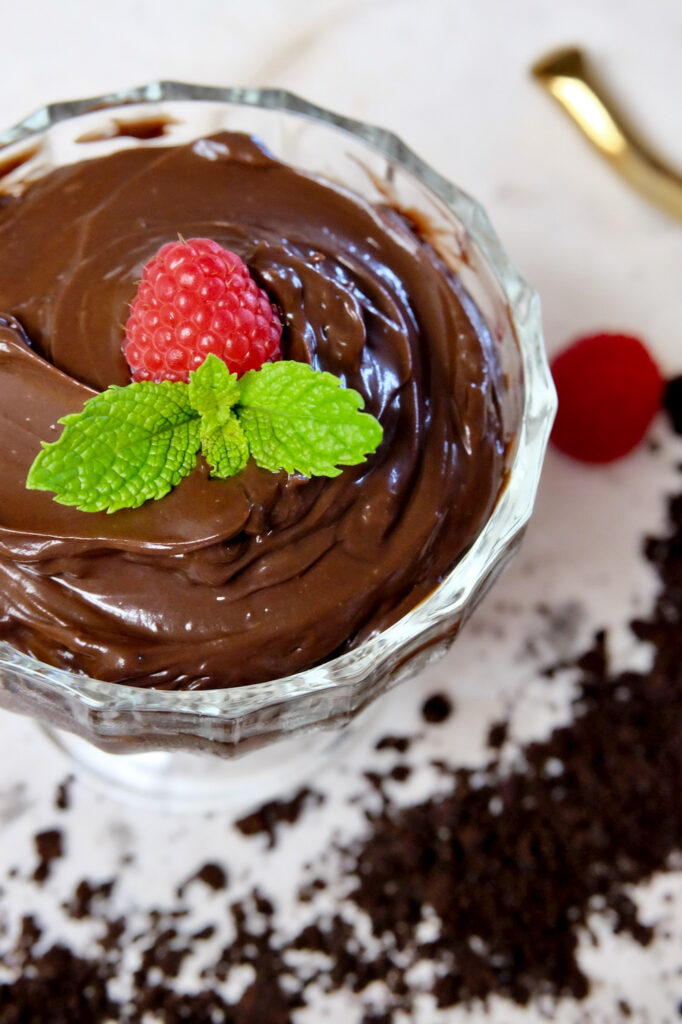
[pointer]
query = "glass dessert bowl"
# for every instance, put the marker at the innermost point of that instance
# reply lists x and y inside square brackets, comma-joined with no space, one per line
[372,163]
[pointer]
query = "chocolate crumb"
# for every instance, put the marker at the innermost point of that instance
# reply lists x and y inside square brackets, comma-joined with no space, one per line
[266,819]
[307,893]
[211,874]
[376,780]
[114,931]
[85,895]
[165,954]
[399,743]
[400,773]
[29,935]
[49,847]
[62,800]
[497,735]
[437,709]
[672,401]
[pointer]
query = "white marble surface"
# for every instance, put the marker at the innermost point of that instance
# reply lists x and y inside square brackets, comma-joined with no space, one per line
[452,78]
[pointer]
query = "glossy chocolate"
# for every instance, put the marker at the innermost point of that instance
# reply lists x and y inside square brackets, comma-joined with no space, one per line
[231,582]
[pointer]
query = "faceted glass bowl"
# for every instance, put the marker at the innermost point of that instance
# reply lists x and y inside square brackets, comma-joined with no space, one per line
[379,166]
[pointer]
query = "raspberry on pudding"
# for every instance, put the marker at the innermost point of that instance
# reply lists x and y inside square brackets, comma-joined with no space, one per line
[197,298]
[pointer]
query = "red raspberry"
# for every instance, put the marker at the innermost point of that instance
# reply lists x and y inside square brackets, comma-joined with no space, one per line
[195,298]
[609,391]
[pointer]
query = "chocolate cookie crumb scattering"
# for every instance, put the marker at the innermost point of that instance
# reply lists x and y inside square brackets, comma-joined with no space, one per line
[437,709]
[507,867]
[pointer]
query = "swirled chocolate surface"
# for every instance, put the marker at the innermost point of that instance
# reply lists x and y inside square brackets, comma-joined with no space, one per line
[227,582]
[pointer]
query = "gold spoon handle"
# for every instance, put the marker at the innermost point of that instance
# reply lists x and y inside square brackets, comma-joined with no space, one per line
[567,76]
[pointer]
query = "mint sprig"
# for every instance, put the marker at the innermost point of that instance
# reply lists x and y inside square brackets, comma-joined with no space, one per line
[130,444]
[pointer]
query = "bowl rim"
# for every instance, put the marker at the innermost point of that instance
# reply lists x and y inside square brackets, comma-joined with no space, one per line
[507,520]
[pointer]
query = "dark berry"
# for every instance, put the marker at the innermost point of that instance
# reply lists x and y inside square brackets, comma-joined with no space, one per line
[609,390]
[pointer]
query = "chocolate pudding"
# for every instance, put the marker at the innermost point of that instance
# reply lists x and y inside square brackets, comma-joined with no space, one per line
[229,582]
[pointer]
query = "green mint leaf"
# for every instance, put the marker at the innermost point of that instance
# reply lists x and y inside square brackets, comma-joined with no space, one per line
[304,421]
[126,446]
[224,446]
[213,390]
